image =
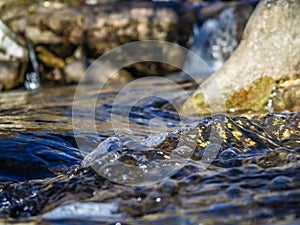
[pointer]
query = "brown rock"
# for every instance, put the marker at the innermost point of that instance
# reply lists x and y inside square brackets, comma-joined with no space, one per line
[11,74]
[97,28]
[75,71]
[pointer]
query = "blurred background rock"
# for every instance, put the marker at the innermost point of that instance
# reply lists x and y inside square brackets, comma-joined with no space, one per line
[67,35]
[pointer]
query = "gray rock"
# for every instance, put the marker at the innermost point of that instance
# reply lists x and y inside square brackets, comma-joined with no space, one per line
[268,52]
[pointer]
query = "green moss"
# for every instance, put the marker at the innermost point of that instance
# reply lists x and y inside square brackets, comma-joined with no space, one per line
[49,59]
[253,97]
[287,94]
[196,104]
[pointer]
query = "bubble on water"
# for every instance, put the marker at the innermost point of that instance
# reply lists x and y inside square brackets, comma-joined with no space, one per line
[158,200]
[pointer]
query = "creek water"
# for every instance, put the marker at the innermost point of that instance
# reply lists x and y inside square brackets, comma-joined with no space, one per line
[252,177]
[256,168]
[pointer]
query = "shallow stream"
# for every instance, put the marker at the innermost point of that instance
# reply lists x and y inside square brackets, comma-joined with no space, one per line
[252,178]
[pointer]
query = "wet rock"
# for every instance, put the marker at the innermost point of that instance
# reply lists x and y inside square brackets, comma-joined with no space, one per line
[269,52]
[253,96]
[276,158]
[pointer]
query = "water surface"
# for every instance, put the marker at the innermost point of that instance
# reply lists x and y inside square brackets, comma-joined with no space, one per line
[253,177]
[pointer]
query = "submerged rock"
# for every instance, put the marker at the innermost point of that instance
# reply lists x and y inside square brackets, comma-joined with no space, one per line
[268,53]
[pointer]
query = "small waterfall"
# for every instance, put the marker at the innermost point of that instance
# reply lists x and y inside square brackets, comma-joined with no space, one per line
[32,77]
[215,39]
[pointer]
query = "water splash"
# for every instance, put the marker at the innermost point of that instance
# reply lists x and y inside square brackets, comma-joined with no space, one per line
[215,40]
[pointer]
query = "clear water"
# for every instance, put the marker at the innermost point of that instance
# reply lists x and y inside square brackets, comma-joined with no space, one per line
[255,169]
[36,127]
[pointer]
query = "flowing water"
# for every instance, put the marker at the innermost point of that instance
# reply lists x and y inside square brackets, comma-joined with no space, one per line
[214,170]
[253,178]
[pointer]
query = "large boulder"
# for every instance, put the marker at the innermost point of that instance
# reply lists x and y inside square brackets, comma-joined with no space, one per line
[268,53]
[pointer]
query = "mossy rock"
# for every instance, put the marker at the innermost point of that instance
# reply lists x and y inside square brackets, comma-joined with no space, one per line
[254,96]
[269,52]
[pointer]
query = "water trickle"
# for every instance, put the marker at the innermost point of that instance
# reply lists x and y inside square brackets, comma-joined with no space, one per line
[32,77]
